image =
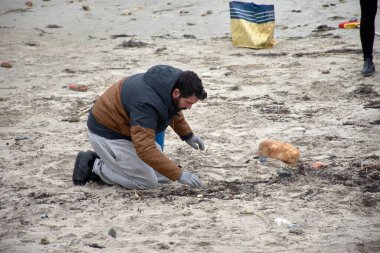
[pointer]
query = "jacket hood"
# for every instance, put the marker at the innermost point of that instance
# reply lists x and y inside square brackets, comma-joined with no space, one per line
[162,79]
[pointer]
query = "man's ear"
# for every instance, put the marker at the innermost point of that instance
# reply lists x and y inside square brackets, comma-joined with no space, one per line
[176,93]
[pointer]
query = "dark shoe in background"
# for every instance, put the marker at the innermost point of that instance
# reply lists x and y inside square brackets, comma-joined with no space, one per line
[368,67]
[83,167]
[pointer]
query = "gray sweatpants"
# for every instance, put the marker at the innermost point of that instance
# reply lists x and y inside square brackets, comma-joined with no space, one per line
[119,164]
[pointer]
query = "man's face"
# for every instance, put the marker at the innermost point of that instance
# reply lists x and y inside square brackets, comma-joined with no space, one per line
[183,103]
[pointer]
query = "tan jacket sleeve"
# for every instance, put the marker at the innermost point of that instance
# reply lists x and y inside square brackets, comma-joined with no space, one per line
[143,140]
[180,126]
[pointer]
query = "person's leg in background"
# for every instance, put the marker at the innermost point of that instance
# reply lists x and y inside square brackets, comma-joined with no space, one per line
[160,139]
[367,34]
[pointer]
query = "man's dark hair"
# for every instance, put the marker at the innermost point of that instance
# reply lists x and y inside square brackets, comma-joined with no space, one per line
[190,84]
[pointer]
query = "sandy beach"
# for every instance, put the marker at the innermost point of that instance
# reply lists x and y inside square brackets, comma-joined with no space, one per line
[307,91]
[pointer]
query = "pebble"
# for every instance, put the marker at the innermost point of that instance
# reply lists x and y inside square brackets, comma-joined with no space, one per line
[112,233]
[281,221]
[284,172]
[126,13]
[207,13]
[74,119]
[262,159]
[20,138]
[299,129]
[296,230]
[235,87]
[325,71]
[44,241]
[29,4]
[97,246]
[5,64]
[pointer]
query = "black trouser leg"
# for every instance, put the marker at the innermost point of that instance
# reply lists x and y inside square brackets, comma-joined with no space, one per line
[367,26]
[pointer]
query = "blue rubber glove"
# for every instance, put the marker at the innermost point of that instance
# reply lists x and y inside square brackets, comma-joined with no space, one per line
[190,179]
[196,142]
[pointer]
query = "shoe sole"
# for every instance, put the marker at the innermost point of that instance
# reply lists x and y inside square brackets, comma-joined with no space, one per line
[76,169]
[367,74]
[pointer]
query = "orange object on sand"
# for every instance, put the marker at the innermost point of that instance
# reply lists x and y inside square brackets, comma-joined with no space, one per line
[279,150]
[77,87]
[349,25]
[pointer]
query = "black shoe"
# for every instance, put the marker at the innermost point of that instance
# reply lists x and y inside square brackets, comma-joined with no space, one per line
[95,178]
[368,67]
[83,167]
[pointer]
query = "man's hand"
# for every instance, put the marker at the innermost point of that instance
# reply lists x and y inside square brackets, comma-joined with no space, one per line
[190,179]
[196,142]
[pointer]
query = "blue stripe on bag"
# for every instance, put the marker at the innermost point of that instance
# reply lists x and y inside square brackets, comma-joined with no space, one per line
[262,13]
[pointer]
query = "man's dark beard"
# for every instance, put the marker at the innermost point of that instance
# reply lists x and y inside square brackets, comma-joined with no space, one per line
[176,107]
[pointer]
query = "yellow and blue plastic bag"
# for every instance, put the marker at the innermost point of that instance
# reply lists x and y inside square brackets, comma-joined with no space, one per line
[252,25]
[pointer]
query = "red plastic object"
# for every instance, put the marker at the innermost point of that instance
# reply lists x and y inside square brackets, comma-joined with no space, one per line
[77,87]
[349,25]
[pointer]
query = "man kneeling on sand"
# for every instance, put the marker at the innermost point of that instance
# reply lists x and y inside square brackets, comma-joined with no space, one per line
[123,123]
